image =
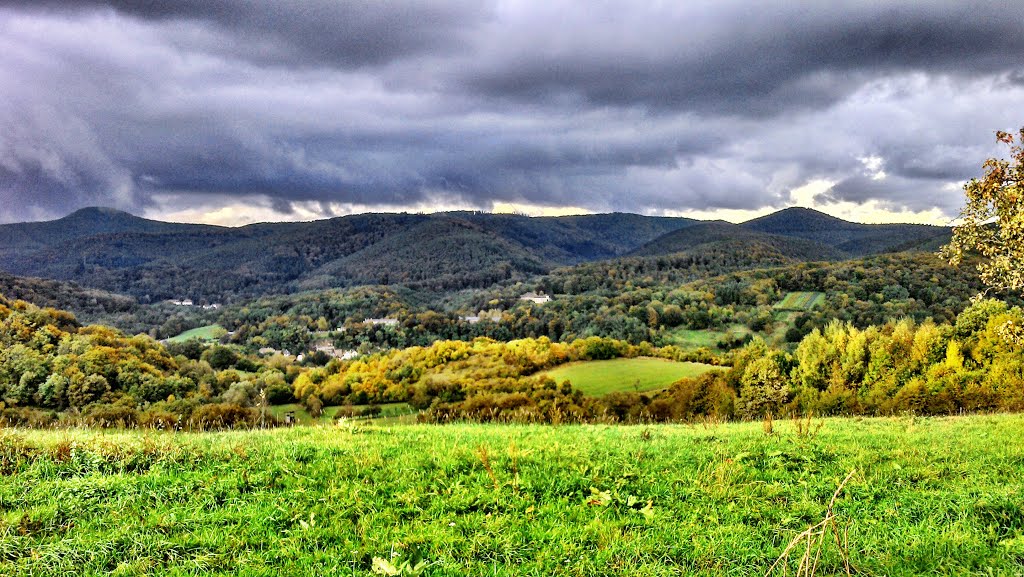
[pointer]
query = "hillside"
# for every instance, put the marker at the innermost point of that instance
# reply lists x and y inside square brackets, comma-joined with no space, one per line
[64,295]
[719,235]
[152,261]
[853,238]
[437,254]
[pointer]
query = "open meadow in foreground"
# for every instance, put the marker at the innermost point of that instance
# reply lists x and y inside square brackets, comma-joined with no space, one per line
[938,496]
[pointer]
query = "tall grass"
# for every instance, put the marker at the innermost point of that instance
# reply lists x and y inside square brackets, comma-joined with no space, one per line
[936,496]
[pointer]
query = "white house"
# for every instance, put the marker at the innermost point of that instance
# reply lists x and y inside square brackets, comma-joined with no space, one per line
[535,298]
[385,321]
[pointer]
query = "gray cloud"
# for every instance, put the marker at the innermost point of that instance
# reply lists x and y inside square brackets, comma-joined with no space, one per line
[604,106]
[312,32]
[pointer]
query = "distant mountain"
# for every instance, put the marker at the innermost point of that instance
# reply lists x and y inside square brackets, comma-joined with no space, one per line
[721,236]
[440,254]
[153,260]
[853,238]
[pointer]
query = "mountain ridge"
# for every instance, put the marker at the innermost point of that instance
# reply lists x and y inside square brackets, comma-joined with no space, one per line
[154,260]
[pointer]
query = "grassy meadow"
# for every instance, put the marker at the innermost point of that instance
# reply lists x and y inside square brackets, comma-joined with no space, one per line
[937,496]
[597,378]
[800,301]
[208,333]
[708,338]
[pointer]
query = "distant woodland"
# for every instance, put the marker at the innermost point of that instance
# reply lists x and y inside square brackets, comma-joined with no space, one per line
[793,313]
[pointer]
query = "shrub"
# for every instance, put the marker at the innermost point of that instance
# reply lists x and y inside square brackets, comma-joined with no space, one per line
[27,417]
[217,416]
[108,415]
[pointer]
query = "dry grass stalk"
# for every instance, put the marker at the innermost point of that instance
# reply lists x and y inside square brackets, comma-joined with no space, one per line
[813,540]
[806,428]
[485,459]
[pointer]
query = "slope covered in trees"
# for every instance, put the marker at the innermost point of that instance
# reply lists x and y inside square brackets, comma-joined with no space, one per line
[852,238]
[722,236]
[152,261]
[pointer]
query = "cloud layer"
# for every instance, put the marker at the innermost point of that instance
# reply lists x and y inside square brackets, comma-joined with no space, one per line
[314,108]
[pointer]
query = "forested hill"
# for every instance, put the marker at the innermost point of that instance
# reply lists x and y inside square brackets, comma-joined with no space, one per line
[853,238]
[152,260]
[719,236]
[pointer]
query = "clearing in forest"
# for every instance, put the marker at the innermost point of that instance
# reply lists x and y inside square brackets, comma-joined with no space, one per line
[597,378]
[207,333]
[800,301]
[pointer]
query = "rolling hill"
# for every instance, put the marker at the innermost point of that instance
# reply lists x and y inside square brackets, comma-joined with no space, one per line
[852,238]
[152,260]
[717,236]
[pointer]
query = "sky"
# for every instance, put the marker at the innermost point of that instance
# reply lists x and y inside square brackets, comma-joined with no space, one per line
[231,112]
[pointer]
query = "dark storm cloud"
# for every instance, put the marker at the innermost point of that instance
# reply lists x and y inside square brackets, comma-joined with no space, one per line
[310,32]
[893,192]
[606,106]
[747,58]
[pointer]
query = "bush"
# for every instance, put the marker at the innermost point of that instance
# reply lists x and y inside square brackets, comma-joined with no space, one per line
[27,417]
[218,416]
[158,419]
[107,416]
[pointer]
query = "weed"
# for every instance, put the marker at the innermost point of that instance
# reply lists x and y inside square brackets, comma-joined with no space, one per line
[485,460]
[812,541]
[805,427]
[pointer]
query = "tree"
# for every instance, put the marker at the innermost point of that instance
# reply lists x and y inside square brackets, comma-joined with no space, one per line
[993,220]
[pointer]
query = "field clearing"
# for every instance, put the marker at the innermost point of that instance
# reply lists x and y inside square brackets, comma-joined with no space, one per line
[597,378]
[708,338]
[508,500]
[800,301]
[207,333]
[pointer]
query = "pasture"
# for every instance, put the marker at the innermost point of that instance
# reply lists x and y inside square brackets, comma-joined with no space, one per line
[454,500]
[597,378]
[208,333]
[800,301]
[707,338]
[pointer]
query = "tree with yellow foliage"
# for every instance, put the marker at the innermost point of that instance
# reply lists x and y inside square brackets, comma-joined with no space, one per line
[992,222]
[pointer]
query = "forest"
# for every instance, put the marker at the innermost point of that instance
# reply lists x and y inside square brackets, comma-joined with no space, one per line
[783,320]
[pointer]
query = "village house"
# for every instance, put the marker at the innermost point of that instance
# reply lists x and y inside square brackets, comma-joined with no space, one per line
[493,316]
[329,349]
[535,298]
[385,322]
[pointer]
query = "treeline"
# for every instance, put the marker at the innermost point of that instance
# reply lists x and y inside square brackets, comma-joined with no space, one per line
[974,364]
[476,379]
[625,307]
[53,370]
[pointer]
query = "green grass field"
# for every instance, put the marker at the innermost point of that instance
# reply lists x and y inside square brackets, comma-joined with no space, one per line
[708,338]
[207,333]
[800,301]
[598,378]
[942,496]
